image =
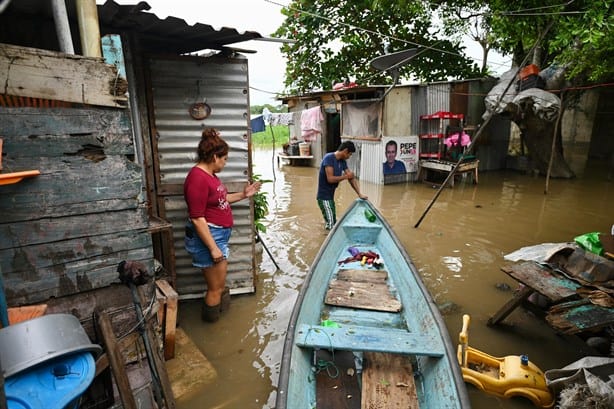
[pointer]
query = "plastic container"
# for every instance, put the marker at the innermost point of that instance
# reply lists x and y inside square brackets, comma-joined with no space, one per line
[33,342]
[59,383]
[529,70]
[304,149]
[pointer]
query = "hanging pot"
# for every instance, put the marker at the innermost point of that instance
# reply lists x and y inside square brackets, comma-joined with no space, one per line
[200,110]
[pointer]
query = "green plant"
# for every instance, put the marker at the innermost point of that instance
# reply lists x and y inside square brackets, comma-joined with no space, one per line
[261,205]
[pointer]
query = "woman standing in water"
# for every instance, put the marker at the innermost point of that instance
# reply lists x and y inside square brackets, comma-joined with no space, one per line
[210,220]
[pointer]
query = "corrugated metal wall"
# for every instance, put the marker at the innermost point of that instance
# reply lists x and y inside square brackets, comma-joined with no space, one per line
[369,161]
[223,84]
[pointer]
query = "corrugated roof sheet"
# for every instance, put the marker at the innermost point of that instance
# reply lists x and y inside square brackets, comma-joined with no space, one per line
[170,35]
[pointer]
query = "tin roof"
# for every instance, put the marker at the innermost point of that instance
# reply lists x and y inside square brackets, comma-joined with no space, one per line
[171,35]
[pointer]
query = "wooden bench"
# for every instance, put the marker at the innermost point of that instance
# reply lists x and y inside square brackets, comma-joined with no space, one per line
[373,339]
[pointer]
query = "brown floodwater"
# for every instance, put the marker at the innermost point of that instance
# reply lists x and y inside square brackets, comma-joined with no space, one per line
[458,248]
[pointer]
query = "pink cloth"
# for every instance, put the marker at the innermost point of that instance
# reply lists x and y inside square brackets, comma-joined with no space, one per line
[453,140]
[311,126]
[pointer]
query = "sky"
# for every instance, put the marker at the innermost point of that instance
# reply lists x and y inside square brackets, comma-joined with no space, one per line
[267,65]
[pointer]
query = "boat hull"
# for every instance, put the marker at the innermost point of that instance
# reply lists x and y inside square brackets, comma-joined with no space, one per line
[347,304]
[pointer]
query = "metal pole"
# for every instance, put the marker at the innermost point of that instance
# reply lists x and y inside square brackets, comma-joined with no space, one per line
[62,28]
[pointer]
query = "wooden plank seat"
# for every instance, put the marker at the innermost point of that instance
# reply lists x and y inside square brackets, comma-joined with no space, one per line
[363,289]
[388,382]
[374,339]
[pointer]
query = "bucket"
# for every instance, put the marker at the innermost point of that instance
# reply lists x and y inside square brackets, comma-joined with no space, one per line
[304,149]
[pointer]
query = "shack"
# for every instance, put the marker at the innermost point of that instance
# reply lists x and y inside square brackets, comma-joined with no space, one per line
[421,117]
[101,110]
[415,119]
[113,139]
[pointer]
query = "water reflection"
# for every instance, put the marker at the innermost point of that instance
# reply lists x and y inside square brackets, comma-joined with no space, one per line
[458,249]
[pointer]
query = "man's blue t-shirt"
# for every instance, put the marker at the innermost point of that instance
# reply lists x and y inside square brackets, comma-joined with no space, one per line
[398,167]
[326,191]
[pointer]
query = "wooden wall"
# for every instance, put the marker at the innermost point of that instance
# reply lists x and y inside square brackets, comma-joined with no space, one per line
[64,231]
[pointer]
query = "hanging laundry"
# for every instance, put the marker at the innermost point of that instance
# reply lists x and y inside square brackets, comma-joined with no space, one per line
[311,126]
[257,124]
[281,118]
[266,114]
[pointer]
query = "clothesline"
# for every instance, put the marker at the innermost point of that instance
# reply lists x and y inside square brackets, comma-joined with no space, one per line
[310,120]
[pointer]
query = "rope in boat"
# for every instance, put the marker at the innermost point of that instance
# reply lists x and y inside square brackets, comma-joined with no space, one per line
[320,365]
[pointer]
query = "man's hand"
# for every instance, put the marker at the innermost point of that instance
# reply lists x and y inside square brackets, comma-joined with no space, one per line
[349,174]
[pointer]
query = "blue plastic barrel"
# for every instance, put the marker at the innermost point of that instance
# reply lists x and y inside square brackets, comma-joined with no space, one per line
[58,383]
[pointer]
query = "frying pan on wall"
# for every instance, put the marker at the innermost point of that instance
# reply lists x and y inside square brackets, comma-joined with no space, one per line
[200,110]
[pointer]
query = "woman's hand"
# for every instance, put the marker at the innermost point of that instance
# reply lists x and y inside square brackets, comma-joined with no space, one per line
[251,189]
[216,255]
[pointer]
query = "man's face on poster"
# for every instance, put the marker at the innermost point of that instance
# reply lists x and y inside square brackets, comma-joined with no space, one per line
[391,153]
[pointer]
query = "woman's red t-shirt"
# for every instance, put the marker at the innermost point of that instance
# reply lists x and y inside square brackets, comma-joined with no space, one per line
[205,196]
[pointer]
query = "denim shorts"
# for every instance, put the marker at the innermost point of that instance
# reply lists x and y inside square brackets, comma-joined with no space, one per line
[201,256]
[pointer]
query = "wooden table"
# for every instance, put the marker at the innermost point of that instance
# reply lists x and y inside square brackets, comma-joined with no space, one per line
[446,167]
[535,278]
[569,312]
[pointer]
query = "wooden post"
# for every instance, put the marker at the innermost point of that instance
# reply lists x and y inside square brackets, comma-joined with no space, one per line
[510,305]
[167,316]
[115,359]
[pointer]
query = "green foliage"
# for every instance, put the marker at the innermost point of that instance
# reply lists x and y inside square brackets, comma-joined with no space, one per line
[261,205]
[580,37]
[336,40]
[265,138]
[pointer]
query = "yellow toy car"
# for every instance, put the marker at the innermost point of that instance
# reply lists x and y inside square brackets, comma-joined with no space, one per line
[506,377]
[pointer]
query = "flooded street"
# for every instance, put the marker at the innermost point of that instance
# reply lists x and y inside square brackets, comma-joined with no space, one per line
[458,247]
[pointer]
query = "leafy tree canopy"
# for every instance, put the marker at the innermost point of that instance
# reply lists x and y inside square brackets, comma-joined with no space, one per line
[336,40]
[579,38]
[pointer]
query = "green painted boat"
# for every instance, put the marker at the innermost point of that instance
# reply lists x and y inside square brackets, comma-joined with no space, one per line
[364,331]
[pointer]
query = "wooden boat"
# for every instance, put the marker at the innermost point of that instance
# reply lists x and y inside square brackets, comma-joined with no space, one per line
[364,332]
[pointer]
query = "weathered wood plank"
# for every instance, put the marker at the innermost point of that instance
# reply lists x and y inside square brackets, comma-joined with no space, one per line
[167,315]
[115,359]
[35,273]
[388,382]
[112,184]
[367,276]
[368,296]
[337,381]
[52,229]
[103,126]
[542,280]
[510,305]
[579,316]
[37,73]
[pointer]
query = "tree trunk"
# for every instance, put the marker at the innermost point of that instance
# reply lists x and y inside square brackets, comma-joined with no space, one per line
[537,134]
